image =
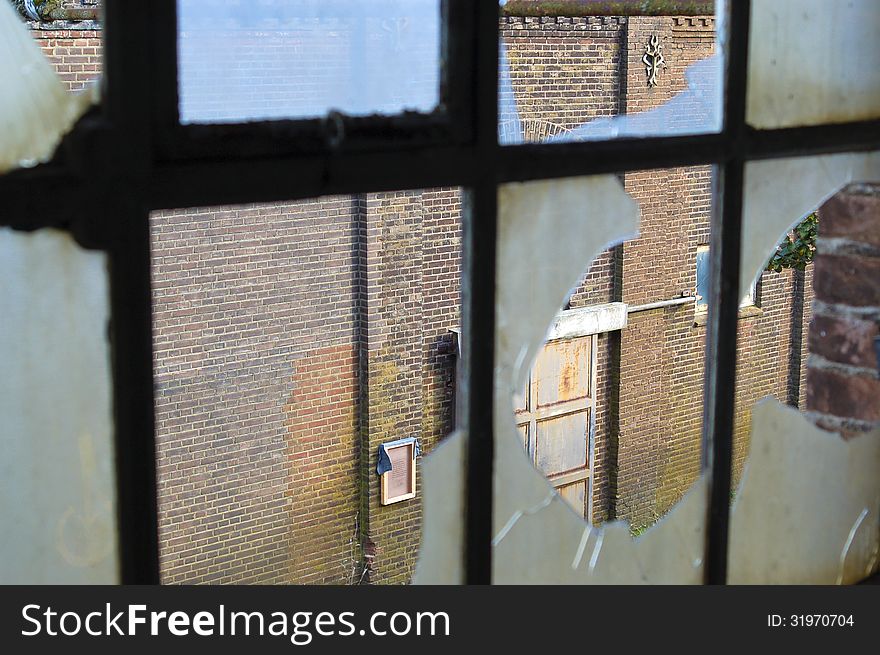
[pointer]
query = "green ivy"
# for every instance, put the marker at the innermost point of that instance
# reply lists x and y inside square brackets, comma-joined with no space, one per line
[798,248]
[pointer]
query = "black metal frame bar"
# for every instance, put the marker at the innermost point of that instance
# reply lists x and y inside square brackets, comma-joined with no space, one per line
[127,159]
[723,323]
[131,156]
[478,300]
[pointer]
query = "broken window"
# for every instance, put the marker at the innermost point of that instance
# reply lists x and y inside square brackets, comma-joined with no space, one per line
[59,499]
[534,216]
[792,520]
[588,72]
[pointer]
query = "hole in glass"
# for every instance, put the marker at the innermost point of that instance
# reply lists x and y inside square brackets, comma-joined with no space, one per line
[567,75]
[806,507]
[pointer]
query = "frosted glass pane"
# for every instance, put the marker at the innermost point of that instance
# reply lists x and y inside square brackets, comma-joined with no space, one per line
[57,488]
[806,509]
[768,214]
[281,59]
[813,61]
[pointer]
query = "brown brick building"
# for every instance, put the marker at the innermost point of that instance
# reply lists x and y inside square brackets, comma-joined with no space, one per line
[292,339]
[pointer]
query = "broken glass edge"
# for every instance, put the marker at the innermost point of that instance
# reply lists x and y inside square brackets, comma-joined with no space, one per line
[35,109]
[441,553]
[807,509]
[538,537]
[769,215]
[781,491]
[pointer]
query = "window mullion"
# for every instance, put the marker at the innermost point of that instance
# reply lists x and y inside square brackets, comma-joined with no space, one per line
[725,248]
[478,298]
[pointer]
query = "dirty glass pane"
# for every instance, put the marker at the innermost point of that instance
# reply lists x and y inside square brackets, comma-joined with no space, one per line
[577,71]
[45,68]
[291,341]
[279,59]
[812,62]
[805,503]
[806,509]
[57,482]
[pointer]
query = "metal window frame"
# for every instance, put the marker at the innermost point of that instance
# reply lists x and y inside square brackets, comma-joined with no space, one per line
[319,136]
[130,157]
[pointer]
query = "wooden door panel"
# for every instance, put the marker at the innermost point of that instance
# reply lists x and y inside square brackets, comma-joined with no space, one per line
[561,443]
[553,416]
[562,372]
[524,434]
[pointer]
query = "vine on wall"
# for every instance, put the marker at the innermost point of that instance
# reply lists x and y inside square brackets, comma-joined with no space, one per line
[798,248]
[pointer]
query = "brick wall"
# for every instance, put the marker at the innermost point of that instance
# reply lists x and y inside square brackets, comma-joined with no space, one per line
[843,385]
[292,338]
[73,50]
[256,389]
[412,287]
[564,71]
[412,298]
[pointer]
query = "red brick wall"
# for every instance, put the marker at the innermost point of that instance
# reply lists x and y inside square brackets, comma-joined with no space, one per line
[322,442]
[843,385]
[74,51]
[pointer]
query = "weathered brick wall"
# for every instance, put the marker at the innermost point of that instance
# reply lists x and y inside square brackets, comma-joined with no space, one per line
[291,339]
[648,448]
[843,384]
[395,361]
[256,391]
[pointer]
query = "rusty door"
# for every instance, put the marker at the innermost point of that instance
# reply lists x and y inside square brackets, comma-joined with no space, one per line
[555,416]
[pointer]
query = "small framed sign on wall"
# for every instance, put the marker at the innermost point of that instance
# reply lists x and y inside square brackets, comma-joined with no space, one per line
[397,470]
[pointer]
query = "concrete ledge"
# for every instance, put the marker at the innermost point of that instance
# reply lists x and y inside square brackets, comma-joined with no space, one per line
[585,321]
[66,25]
